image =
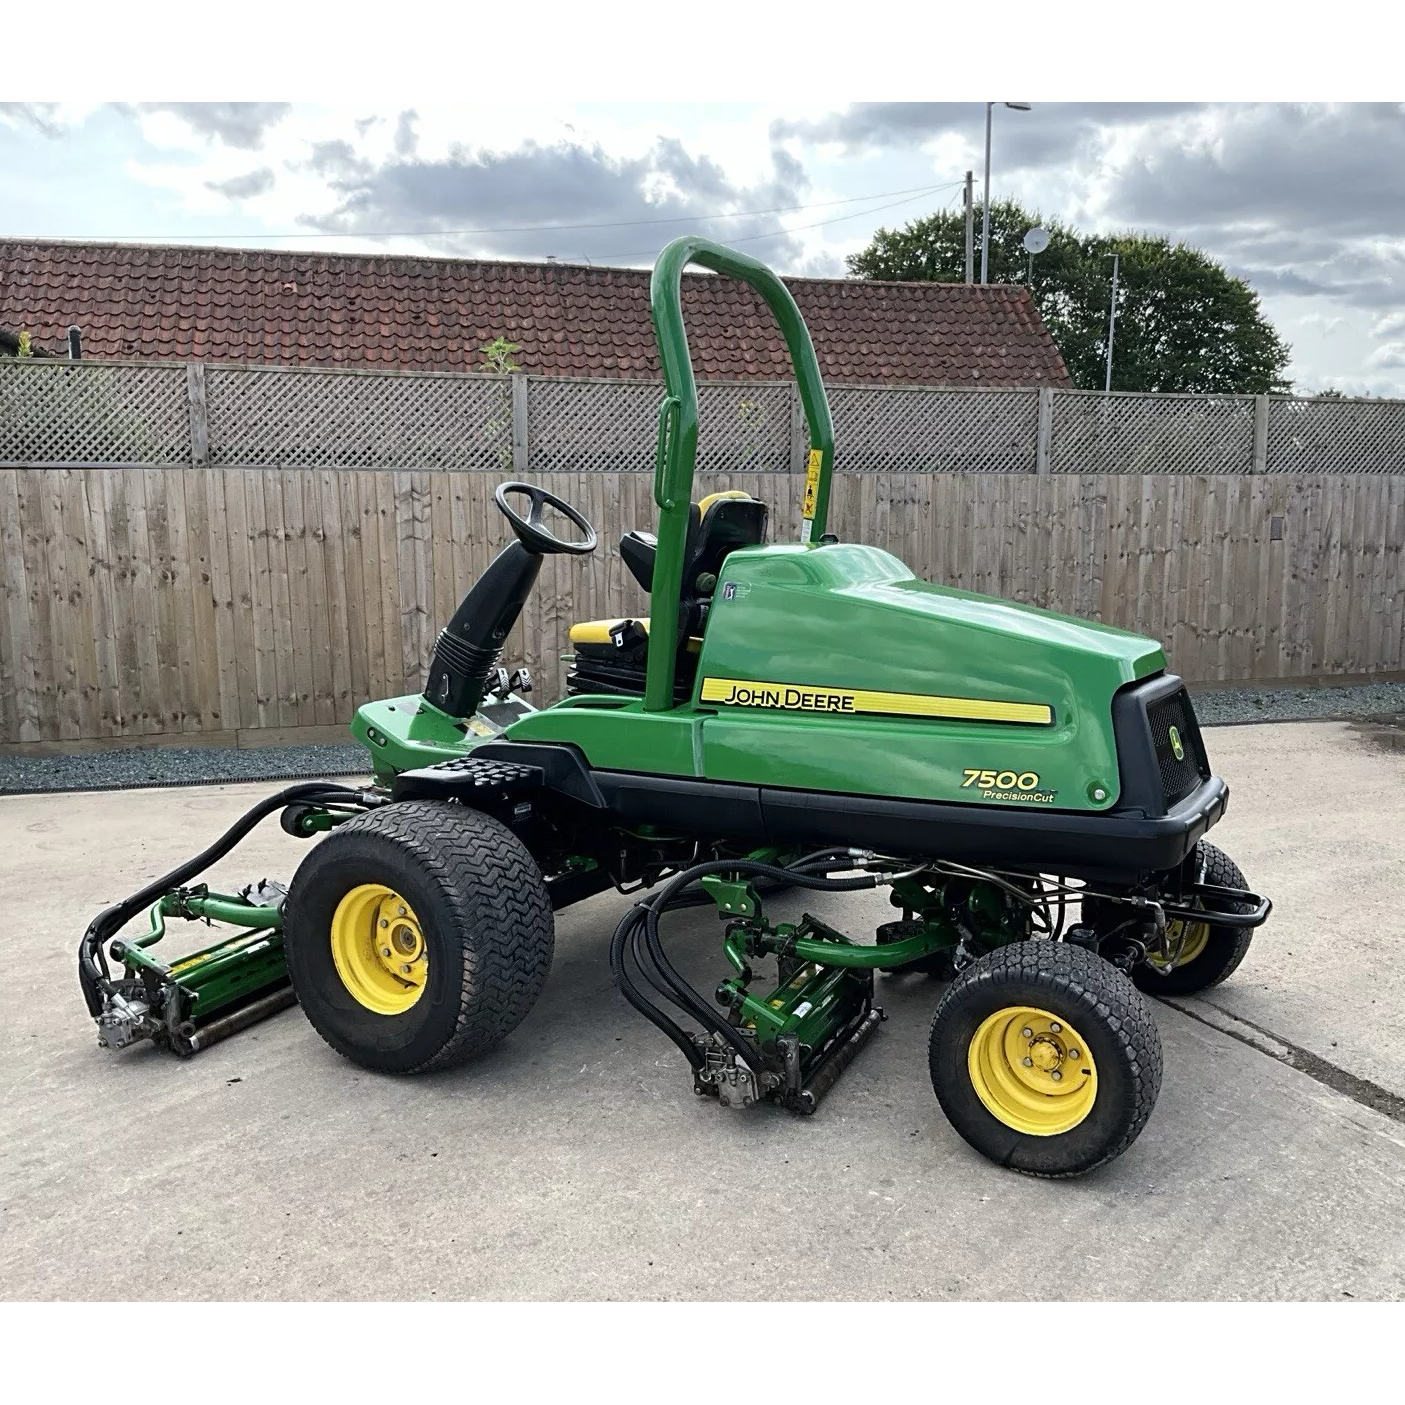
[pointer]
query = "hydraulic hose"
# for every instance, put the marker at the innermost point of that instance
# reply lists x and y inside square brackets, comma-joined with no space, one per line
[643,920]
[93,976]
[625,936]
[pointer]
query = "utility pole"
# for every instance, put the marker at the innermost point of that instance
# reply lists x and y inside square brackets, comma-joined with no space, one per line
[970,228]
[1111,323]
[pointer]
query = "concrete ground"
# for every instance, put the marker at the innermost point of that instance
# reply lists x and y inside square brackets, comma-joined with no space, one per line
[574,1162]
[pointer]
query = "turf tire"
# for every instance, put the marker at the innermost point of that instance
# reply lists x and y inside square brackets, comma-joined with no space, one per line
[1095,999]
[1224,948]
[487,923]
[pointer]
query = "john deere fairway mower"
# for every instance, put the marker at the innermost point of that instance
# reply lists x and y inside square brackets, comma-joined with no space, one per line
[1032,790]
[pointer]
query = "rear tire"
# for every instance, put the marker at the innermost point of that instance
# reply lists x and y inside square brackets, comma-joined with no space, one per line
[1045,1058]
[1221,949]
[481,916]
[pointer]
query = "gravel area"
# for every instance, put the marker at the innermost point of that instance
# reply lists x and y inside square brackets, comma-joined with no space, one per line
[160,766]
[137,768]
[1235,705]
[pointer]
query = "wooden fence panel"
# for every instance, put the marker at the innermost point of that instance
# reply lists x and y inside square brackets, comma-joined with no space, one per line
[146,603]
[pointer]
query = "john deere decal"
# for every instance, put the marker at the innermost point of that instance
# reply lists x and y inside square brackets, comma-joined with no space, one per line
[790,697]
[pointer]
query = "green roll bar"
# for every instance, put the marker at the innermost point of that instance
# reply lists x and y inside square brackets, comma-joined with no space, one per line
[675,456]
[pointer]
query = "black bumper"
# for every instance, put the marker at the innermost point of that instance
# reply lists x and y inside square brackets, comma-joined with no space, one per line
[1085,845]
[1103,846]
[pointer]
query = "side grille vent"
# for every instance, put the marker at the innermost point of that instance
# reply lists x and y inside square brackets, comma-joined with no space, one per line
[1173,730]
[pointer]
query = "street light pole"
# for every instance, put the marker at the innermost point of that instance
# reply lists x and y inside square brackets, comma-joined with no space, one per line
[985,207]
[985,198]
[970,229]
[1111,323]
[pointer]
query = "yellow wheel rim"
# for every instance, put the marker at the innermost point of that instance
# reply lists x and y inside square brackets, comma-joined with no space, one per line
[1185,941]
[1033,1071]
[379,949]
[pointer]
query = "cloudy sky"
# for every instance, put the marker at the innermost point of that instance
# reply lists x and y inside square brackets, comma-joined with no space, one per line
[1305,202]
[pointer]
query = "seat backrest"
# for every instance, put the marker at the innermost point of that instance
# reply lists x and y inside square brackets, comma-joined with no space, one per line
[717,526]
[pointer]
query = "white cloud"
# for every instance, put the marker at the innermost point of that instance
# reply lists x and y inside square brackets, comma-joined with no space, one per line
[1389,357]
[1327,322]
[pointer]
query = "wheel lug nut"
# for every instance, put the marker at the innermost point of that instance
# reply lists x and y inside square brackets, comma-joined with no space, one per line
[385,951]
[404,970]
[1056,1026]
[1027,1032]
[400,912]
[1029,1063]
[1074,1054]
[384,923]
[1056,1076]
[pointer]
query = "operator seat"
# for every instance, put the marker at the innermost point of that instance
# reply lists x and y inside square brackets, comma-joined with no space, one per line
[611,655]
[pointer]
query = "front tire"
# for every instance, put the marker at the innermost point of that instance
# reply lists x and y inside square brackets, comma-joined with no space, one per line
[418,935]
[1209,954]
[1045,1058]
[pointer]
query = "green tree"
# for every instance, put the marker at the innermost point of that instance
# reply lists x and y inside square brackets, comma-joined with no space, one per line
[1183,323]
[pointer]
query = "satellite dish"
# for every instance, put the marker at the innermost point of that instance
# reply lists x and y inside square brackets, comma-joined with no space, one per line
[1036,240]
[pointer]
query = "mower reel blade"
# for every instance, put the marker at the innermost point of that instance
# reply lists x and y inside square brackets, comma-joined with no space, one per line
[825,1073]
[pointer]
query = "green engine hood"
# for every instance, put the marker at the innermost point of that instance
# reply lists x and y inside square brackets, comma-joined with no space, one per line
[833,668]
[855,616]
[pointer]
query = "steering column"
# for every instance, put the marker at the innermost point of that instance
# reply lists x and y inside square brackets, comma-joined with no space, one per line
[468,647]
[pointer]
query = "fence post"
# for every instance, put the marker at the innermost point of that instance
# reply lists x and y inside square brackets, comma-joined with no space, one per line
[1044,435]
[520,404]
[799,440]
[1260,434]
[199,414]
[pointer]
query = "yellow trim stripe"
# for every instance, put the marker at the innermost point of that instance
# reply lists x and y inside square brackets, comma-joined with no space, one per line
[793,697]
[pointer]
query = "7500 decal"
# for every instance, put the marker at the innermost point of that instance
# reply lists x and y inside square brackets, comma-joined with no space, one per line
[1006,785]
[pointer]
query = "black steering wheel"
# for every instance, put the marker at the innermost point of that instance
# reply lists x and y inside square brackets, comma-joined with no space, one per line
[531,532]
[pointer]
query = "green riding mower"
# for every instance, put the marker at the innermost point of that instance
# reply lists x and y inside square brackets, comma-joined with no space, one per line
[808,716]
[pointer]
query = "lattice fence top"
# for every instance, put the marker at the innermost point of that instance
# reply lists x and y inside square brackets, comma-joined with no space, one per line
[1094,433]
[879,430]
[150,413]
[92,412]
[605,426]
[1336,436]
[743,427]
[292,419]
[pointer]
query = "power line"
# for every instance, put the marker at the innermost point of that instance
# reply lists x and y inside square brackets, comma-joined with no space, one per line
[912,192]
[796,229]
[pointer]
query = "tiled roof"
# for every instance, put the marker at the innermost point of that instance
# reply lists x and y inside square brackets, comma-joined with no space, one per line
[267,306]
